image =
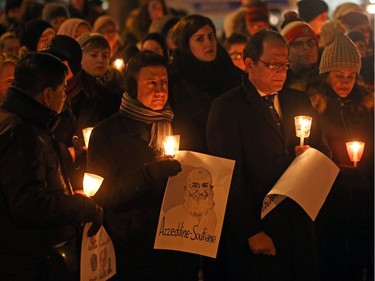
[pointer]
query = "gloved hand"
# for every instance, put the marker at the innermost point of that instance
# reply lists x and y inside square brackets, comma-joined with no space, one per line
[160,168]
[97,222]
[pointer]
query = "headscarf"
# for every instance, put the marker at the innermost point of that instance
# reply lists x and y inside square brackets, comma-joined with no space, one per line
[160,119]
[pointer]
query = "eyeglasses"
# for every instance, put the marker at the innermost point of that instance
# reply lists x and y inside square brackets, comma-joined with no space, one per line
[276,66]
[301,44]
[204,185]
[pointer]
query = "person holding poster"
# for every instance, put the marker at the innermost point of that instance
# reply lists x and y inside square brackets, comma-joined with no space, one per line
[242,127]
[126,150]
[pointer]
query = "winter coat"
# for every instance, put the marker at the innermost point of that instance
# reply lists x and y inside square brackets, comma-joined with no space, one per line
[87,104]
[241,127]
[195,84]
[37,210]
[118,152]
[346,119]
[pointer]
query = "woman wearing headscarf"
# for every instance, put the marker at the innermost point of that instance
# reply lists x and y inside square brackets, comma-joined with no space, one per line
[74,27]
[201,71]
[345,222]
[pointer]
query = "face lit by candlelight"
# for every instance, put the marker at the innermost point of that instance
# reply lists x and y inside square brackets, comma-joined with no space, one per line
[342,81]
[152,87]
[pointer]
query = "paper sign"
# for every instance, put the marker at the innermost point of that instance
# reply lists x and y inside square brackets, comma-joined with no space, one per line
[307,181]
[192,213]
[98,260]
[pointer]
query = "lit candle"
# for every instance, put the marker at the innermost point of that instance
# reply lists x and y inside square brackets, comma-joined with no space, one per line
[171,145]
[119,64]
[303,125]
[355,151]
[91,184]
[86,135]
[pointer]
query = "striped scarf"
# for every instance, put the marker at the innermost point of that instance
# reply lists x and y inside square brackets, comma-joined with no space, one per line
[160,119]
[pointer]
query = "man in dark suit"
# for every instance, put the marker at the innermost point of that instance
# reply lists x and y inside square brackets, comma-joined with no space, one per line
[243,126]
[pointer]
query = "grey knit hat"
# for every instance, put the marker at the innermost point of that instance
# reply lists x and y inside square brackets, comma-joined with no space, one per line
[341,53]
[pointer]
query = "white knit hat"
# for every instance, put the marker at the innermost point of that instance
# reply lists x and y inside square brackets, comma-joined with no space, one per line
[341,53]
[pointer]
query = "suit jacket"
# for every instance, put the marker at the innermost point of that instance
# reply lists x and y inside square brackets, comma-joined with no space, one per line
[241,127]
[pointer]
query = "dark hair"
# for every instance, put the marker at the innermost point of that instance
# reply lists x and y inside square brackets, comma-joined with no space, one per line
[36,71]
[143,20]
[235,38]
[158,38]
[254,47]
[67,49]
[136,63]
[90,41]
[185,28]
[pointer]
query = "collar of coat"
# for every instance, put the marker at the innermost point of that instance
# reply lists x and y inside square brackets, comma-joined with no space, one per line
[321,94]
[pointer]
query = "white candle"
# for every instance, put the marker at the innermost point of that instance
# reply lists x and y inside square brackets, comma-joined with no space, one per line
[355,151]
[86,135]
[91,184]
[171,145]
[303,126]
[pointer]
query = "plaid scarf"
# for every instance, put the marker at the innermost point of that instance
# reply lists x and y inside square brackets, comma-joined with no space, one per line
[160,119]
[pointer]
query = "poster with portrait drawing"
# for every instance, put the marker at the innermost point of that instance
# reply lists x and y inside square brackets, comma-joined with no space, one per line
[98,260]
[192,213]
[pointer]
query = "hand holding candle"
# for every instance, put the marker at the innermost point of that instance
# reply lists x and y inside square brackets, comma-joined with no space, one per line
[303,126]
[355,151]
[91,184]
[171,145]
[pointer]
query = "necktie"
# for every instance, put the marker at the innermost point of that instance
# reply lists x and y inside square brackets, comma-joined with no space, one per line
[269,101]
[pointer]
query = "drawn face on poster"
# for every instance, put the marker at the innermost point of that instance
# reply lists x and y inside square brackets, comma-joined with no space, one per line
[193,208]
[199,192]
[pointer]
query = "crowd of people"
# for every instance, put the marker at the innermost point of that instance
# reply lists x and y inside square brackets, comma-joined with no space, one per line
[68,65]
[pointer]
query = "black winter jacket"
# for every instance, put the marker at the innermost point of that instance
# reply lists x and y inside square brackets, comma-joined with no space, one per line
[37,210]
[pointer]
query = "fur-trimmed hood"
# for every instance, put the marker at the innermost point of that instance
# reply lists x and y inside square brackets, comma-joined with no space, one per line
[359,98]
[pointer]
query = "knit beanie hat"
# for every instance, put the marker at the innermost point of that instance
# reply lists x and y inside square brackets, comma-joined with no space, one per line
[257,11]
[54,10]
[297,29]
[67,49]
[341,53]
[310,9]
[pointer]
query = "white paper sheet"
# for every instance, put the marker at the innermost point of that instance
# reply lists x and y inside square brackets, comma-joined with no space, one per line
[307,181]
[192,213]
[98,260]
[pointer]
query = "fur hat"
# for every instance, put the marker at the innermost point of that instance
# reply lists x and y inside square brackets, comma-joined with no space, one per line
[54,10]
[310,9]
[341,53]
[296,29]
